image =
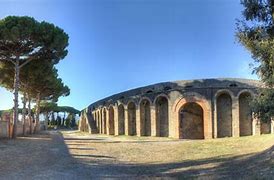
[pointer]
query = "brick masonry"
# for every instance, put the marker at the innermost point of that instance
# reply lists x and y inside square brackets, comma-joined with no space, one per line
[195,109]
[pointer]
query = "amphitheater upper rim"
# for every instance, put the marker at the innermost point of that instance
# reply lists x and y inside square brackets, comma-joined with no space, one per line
[215,83]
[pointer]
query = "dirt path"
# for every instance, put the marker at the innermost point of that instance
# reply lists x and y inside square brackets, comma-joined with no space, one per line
[72,155]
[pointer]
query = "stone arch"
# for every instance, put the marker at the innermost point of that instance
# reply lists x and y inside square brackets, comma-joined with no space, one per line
[191,121]
[162,116]
[131,109]
[197,104]
[121,119]
[251,93]
[223,99]
[145,117]
[223,91]
[111,125]
[245,114]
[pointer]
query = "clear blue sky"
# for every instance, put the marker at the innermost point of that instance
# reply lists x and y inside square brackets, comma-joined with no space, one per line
[117,45]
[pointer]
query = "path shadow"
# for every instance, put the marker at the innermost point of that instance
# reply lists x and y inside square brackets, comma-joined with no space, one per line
[54,160]
[257,165]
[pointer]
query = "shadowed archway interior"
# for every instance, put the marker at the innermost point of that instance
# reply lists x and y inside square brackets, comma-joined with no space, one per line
[121,120]
[191,121]
[131,119]
[104,121]
[145,118]
[111,120]
[245,114]
[162,117]
[224,115]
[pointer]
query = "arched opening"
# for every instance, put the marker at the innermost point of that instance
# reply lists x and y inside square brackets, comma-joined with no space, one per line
[265,127]
[224,115]
[111,120]
[96,119]
[131,119]
[191,119]
[101,121]
[104,121]
[145,118]
[245,114]
[121,119]
[162,117]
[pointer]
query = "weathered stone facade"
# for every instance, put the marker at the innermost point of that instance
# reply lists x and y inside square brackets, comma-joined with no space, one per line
[196,109]
[6,126]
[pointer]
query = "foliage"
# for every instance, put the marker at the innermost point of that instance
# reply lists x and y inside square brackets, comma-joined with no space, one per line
[9,111]
[70,121]
[68,109]
[29,39]
[48,106]
[264,105]
[256,33]
[59,120]
[24,40]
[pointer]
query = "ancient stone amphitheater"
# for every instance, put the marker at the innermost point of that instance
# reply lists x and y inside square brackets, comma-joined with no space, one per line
[195,109]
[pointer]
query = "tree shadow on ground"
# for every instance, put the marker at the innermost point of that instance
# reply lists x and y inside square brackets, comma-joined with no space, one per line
[256,165]
[238,167]
[33,158]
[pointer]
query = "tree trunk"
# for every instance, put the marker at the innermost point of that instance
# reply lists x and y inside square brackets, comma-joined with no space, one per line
[63,120]
[46,121]
[16,89]
[37,112]
[24,113]
[29,114]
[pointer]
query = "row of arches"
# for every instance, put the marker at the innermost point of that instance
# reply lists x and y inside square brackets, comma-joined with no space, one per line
[127,124]
[193,117]
[225,118]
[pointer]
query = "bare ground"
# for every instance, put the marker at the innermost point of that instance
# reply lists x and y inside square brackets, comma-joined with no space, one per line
[74,155]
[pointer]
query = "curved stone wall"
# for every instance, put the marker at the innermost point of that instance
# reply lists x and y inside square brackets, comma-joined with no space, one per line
[196,109]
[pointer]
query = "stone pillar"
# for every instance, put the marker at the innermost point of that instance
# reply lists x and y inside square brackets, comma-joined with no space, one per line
[235,117]
[175,116]
[138,121]
[116,120]
[256,126]
[171,121]
[215,120]
[126,122]
[103,122]
[153,120]
[208,124]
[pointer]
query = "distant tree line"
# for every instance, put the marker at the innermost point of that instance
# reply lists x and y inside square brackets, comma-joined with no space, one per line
[51,112]
[50,108]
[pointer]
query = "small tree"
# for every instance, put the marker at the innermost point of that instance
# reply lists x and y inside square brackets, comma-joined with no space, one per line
[70,121]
